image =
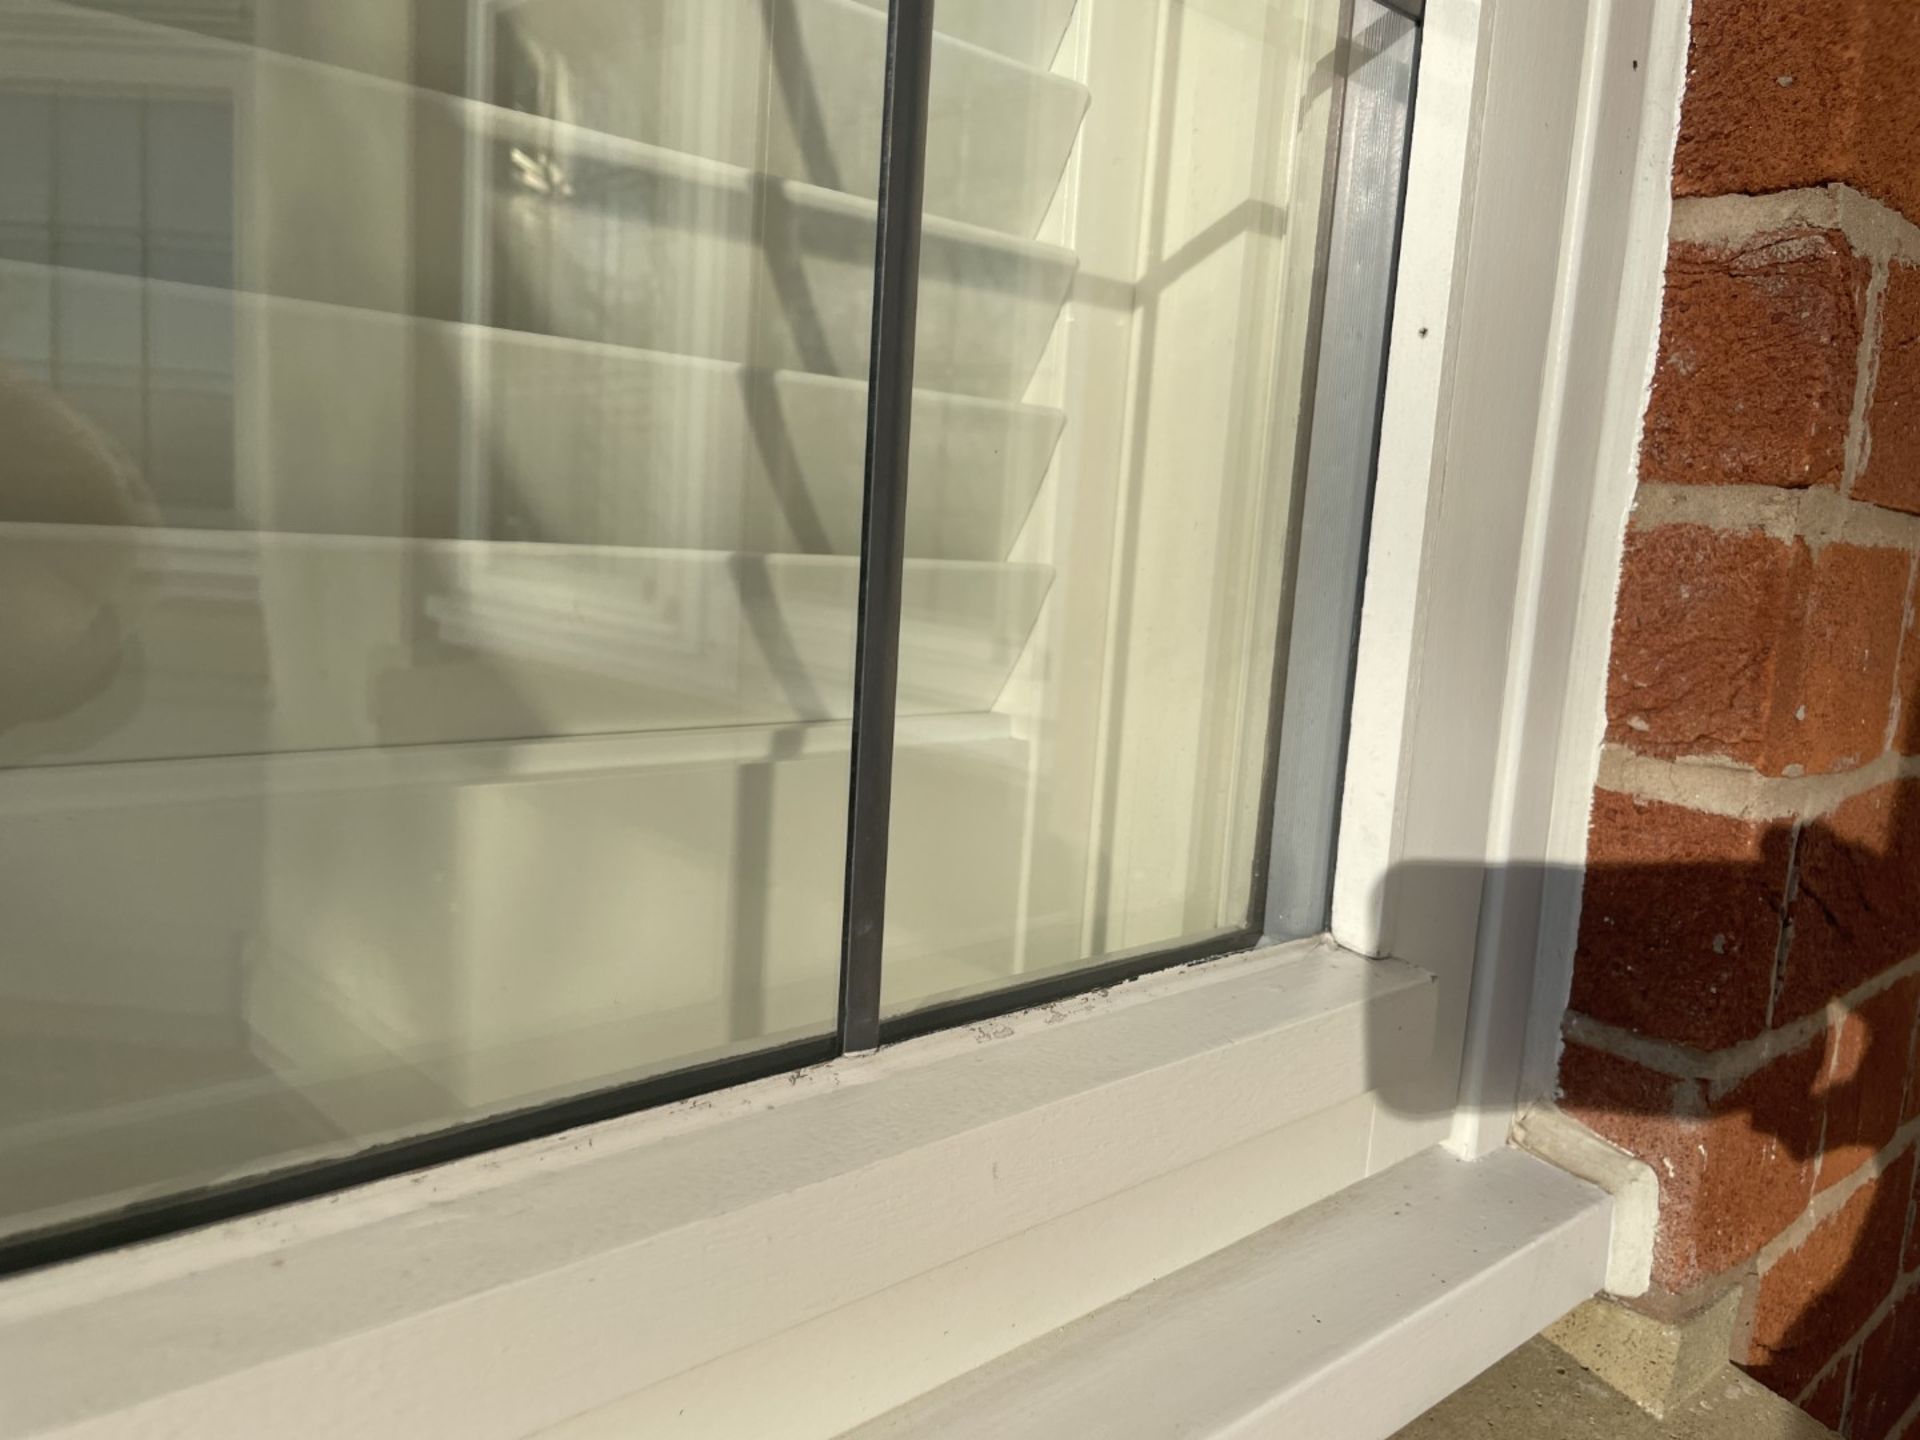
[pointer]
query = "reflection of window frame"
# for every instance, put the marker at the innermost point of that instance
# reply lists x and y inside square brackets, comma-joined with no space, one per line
[681,623]
[197,73]
[726,1250]
[474,504]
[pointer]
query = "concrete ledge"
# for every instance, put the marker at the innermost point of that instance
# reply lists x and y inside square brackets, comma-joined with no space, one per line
[1657,1364]
[1541,1393]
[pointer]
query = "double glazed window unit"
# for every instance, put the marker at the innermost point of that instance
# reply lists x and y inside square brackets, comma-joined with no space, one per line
[642,427]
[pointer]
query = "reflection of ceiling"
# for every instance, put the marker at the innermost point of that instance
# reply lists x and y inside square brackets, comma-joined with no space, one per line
[221,19]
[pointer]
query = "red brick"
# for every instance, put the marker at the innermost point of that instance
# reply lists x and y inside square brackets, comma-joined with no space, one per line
[1885,162]
[1869,1060]
[1857,906]
[1911,1262]
[1756,649]
[1697,653]
[1906,737]
[1680,922]
[1816,1297]
[1828,1400]
[1856,610]
[1785,93]
[1888,1382]
[1759,349]
[1891,474]
[1733,1173]
[1911,1110]
[1742,130]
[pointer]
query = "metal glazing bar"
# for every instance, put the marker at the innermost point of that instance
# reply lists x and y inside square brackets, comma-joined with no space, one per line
[876,668]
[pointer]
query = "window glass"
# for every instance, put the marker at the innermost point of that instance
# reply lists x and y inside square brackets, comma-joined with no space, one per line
[428,547]
[430,531]
[1132,194]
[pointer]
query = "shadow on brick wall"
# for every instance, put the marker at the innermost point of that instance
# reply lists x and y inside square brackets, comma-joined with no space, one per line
[1743,1019]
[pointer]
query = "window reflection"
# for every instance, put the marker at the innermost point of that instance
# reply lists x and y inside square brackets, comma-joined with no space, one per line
[428,552]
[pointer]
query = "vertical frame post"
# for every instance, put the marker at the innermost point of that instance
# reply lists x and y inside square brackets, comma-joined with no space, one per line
[883,522]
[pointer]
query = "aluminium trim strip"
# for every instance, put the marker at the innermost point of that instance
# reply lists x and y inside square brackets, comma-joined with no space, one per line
[1380,58]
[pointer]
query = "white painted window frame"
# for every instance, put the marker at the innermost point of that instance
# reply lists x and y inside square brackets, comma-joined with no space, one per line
[801,1242]
[1521,362]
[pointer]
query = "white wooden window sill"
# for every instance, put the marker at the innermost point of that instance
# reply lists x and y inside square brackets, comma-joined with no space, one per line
[1348,1319]
[913,1214]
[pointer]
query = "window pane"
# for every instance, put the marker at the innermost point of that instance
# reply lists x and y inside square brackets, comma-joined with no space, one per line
[428,544]
[1135,190]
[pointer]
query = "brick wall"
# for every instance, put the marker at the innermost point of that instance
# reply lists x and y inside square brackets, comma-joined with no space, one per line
[1746,1003]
